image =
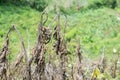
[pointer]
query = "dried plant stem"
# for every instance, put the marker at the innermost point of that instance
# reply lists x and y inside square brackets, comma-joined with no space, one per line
[3,59]
[40,50]
[60,48]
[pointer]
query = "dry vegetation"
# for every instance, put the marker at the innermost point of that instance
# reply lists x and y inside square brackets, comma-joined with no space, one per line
[35,67]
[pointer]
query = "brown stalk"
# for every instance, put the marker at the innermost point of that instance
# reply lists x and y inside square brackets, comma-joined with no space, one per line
[60,48]
[77,68]
[20,56]
[3,59]
[44,36]
[102,62]
[78,52]
[114,66]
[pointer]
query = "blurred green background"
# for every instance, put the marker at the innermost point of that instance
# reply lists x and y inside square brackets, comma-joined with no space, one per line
[95,23]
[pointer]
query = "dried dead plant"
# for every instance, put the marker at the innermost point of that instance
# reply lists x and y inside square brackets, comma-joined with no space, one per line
[22,54]
[60,49]
[44,36]
[50,71]
[114,66]
[78,71]
[3,58]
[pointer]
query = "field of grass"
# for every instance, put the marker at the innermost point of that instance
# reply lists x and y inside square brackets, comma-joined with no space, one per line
[95,28]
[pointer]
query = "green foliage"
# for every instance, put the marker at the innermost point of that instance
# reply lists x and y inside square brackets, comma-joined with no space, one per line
[96,29]
[37,4]
[65,6]
[99,3]
[71,34]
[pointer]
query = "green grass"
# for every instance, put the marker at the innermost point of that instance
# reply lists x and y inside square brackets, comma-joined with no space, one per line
[96,29]
[24,19]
